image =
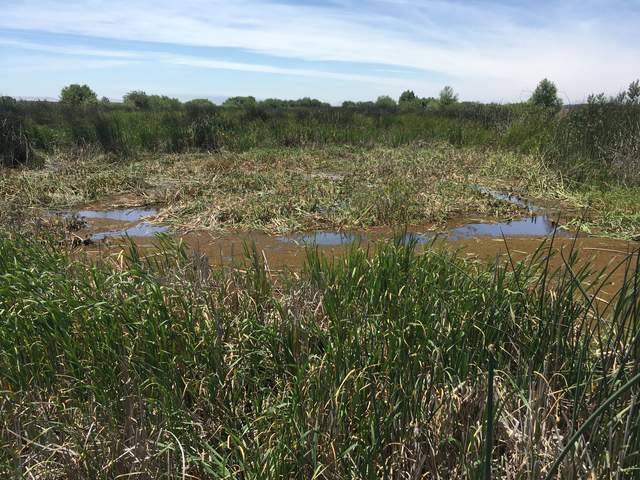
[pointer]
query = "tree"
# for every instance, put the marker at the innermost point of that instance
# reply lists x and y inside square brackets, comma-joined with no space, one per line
[309,102]
[633,93]
[546,95]
[631,96]
[428,102]
[162,102]
[448,96]
[137,99]
[6,101]
[348,104]
[385,101]
[274,103]
[407,97]
[77,95]
[239,102]
[199,106]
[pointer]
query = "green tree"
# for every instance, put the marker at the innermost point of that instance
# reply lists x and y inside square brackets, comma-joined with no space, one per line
[274,103]
[407,97]
[162,102]
[385,101]
[428,102]
[6,101]
[199,106]
[137,99]
[77,95]
[633,93]
[448,96]
[239,102]
[309,102]
[546,95]
[631,96]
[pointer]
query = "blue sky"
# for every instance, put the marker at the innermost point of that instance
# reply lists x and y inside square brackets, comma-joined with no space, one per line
[489,50]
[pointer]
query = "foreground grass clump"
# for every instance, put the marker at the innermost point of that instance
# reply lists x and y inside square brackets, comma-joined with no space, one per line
[357,368]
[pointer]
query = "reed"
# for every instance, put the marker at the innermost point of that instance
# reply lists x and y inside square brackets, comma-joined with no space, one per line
[596,142]
[369,366]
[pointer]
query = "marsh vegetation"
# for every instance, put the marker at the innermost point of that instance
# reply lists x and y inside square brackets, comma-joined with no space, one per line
[389,360]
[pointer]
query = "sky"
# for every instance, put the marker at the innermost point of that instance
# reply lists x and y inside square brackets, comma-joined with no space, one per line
[334,50]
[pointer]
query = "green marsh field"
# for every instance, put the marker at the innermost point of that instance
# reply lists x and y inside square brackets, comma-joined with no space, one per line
[432,346]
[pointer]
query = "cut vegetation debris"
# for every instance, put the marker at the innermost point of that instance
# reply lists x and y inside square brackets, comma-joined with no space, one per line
[299,189]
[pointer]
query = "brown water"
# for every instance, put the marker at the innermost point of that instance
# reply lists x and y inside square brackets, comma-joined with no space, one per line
[104,223]
[475,238]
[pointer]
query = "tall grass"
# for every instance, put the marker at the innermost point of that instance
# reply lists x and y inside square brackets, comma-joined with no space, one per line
[120,130]
[15,146]
[372,366]
[599,141]
[594,142]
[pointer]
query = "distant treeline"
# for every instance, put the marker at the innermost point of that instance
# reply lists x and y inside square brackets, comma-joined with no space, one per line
[82,95]
[598,139]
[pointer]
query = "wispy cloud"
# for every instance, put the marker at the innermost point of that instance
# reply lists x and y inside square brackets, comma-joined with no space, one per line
[67,49]
[487,49]
[298,72]
[187,60]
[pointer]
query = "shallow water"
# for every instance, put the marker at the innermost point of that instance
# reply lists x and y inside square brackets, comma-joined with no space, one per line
[120,222]
[536,226]
[118,215]
[323,238]
[144,229]
[475,238]
[113,223]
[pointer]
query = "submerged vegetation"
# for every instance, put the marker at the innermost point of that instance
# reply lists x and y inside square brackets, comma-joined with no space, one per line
[364,367]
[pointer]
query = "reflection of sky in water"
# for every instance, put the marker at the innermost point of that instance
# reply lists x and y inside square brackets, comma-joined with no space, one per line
[122,215]
[538,226]
[535,226]
[142,230]
[323,238]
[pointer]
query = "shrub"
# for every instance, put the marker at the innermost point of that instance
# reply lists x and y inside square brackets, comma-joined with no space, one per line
[448,96]
[546,95]
[137,99]
[385,101]
[199,106]
[77,95]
